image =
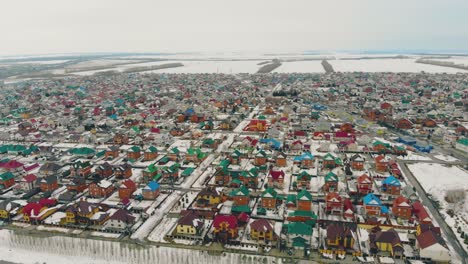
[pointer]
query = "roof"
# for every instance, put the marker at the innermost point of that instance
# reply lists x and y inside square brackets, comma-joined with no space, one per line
[304,195]
[229,219]
[277,174]
[269,192]
[371,199]
[391,180]
[128,184]
[299,228]
[123,215]
[190,219]
[429,238]
[152,186]
[261,225]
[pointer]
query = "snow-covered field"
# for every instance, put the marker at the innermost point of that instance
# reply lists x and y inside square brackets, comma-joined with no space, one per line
[60,249]
[445,158]
[228,67]
[388,65]
[301,66]
[440,180]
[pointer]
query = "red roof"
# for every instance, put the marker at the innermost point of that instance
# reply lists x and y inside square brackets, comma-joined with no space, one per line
[128,184]
[32,209]
[427,239]
[12,164]
[420,211]
[30,178]
[261,225]
[332,196]
[347,204]
[229,219]
[400,200]
[47,202]
[364,179]
[277,174]
[243,217]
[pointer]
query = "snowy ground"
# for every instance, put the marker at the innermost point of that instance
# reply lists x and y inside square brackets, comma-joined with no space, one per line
[439,180]
[445,158]
[301,66]
[412,156]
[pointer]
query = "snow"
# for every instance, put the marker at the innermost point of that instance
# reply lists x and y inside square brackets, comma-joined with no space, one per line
[228,67]
[301,66]
[153,220]
[445,158]
[412,156]
[26,249]
[388,65]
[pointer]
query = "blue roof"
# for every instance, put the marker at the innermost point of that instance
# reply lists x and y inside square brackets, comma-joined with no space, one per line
[371,199]
[271,141]
[152,185]
[305,156]
[384,209]
[189,112]
[391,180]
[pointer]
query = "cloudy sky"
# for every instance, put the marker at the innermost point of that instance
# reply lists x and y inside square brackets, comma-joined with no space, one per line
[63,26]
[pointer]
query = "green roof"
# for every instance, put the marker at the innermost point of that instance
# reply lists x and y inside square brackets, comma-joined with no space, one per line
[240,209]
[242,191]
[82,151]
[270,192]
[303,213]
[304,195]
[299,242]
[152,149]
[6,176]
[299,228]
[187,171]
[463,141]
[331,177]
[135,149]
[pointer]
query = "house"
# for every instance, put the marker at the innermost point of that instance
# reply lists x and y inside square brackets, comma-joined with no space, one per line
[7,179]
[306,160]
[348,209]
[276,178]
[28,182]
[120,139]
[123,171]
[250,177]
[391,185]
[126,189]
[241,196]
[112,152]
[334,203]
[302,180]
[48,183]
[120,220]
[256,125]
[8,209]
[340,235]
[387,241]
[260,158]
[421,214]
[261,229]
[195,155]
[402,208]
[269,198]
[151,153]
[189,224]
[373,206]
[330,162]
[49,168]
[300,234]
[364,184]
[225,228]
[304,201]
[404,124]
[431,245]
[38,211]
[84,212]
[80,168]
[104,170]
[208,197]
[151,191]
[331,182]
[174,154]
[134,153]
[462,144]
[149,172]
[381,163]
[281,160]
[357,162]
[77,184]
[101,189]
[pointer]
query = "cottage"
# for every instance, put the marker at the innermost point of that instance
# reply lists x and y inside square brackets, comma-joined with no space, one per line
[104,170]
[276,178]
[151,191]
[357,162]
[340,236]
[334,203]
[101,189]
[126,189]
[225,228]
[7,179]
[402,208]
[189,224]
[269,198]
[48,183]
[261,229]
[373,206]
[121,220]
[391,185]
[133,153]
[123,171]
[387,241]
[331,182]
[364,184]
[304,201]
[151,153]
[208,197]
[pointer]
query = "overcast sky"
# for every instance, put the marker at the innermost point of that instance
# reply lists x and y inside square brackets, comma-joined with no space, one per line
[62,26]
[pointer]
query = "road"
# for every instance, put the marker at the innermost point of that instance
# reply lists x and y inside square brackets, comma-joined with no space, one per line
[451,237]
